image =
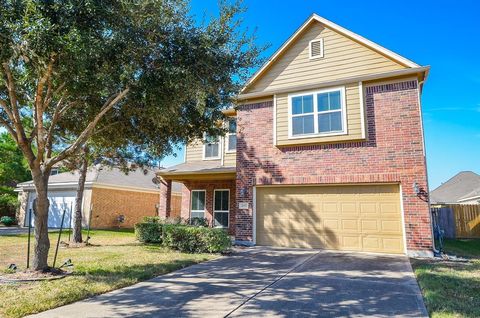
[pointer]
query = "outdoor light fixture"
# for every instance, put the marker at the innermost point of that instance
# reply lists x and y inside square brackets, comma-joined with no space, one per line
[416,188]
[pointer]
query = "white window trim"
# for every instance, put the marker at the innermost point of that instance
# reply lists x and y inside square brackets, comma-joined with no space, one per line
[310,49]
[221,211]
[220,148]
[315,113]
[191,201]
[227,142]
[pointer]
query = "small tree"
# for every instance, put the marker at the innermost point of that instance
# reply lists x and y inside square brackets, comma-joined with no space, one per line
[142,69]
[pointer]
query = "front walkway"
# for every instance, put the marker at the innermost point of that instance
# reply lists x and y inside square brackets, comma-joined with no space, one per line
[268,282]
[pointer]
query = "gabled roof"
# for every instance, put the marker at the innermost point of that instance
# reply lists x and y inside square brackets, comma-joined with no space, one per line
[314,17]
[464,185]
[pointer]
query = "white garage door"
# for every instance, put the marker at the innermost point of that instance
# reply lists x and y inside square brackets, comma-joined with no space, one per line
[59,201]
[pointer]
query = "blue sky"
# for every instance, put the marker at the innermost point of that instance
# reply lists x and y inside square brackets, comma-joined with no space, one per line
[442,34]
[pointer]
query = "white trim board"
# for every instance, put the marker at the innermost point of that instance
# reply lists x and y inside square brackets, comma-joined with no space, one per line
[314,17]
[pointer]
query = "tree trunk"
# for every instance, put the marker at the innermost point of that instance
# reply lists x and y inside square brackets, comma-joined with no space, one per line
[42,243]
[77,217]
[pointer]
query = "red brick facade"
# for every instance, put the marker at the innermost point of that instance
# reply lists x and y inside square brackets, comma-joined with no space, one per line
[209,186]
[392,152]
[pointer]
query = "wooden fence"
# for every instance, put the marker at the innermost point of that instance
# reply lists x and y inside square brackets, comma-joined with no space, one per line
[459,220]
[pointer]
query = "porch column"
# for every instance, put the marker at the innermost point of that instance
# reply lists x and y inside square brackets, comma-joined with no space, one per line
[165,198]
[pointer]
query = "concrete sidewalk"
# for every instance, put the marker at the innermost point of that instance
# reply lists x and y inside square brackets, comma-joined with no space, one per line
[268,282]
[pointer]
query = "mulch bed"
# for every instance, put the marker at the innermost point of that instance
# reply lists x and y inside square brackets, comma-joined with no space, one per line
[32,276]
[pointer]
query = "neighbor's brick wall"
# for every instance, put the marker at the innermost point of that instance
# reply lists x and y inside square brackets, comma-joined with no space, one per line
[108,204]
[393,152]
[210,186]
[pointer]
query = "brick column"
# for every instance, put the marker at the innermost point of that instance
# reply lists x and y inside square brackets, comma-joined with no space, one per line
[185,211]
[165,198]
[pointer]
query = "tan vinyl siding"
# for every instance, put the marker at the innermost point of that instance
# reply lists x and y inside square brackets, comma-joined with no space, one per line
[354,122]
[343,58]
[195,153]
[230,159]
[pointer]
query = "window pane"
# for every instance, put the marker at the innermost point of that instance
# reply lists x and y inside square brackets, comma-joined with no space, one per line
[322,100]
[302,104]
[200,215]
[221,219]
[232,142]
[225,201]
[198,200]
[330,122]
[297,105]
[221,201]
[334,98]
[232,126]
[302,125]
[328,101]
[210,139]
[308,104]
[211,150]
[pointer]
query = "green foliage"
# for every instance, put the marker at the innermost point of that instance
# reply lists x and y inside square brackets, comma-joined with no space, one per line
[179,73]
[185,238]
[150,232]
[198,222]
[8,201]
[13,167]
[7,220]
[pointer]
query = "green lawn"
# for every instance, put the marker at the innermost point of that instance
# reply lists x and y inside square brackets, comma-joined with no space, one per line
[116,260]
[452,289]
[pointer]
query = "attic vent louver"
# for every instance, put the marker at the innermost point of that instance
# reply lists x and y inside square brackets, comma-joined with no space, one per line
[316,49]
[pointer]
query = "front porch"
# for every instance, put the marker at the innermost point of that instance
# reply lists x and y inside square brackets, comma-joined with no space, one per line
[208,191]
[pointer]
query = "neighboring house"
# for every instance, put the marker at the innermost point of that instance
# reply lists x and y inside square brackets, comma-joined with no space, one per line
[325,150]
[109,193]
[463,188]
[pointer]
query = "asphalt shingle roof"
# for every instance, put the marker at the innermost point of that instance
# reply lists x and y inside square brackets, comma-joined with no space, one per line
[108,176]
[463,185]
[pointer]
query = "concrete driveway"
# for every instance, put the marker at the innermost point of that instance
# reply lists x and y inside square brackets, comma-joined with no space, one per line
[268,282]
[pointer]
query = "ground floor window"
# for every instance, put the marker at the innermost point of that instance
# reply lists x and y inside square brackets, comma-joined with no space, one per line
[198,204]
[221,207]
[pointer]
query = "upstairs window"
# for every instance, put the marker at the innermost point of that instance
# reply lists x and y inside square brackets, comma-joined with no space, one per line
[232,135]
[211,147]
[318,113]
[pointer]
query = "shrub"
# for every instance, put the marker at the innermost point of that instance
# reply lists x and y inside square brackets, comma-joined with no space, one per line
[195,239]
[182,237]
[198,222]
[152,219]
[7,220]
[149,232]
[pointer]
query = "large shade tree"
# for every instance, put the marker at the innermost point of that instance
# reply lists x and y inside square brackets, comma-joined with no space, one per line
[146,69]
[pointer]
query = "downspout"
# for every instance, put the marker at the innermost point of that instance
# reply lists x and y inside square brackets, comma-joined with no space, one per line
[222,145]
[436,252]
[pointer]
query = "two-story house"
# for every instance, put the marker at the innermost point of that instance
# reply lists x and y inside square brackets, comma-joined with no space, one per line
[325,150]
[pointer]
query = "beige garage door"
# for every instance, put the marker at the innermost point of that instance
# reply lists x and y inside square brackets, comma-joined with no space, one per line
[358,218]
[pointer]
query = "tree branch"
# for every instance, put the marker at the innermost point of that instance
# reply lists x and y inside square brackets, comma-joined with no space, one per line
[86,133]
[39,109]
[21,138]
[10,129]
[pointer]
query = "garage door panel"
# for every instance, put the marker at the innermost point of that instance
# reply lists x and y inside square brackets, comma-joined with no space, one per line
[363,218]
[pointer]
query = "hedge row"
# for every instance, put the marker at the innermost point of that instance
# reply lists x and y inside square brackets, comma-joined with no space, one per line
[185,238]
